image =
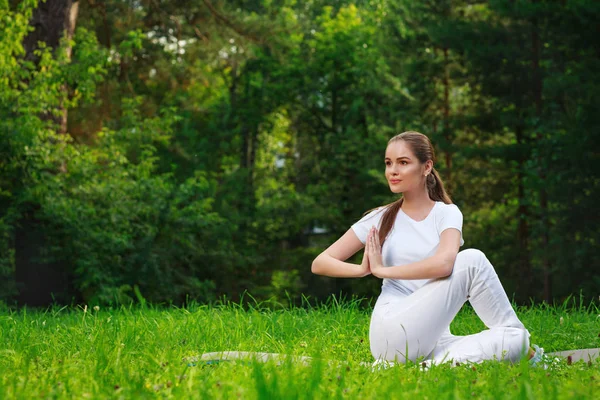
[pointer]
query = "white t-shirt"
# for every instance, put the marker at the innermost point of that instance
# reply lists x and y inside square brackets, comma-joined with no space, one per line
[409,240]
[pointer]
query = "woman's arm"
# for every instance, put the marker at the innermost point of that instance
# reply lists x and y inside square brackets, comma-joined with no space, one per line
[440,265]
[331,261]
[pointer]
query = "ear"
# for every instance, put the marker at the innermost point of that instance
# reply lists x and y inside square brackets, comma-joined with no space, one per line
[428,167]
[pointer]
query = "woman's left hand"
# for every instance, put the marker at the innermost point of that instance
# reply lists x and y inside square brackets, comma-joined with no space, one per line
[374,251]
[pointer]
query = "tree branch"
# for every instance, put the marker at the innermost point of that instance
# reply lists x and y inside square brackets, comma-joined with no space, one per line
[229,24]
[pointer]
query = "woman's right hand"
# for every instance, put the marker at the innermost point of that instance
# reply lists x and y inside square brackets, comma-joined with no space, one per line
[364,266]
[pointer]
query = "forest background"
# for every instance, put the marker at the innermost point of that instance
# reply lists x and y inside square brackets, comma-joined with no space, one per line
[174,150]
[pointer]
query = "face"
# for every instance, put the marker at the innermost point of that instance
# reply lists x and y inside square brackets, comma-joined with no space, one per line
[403,170]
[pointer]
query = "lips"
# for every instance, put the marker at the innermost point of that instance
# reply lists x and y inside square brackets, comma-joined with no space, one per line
[395,181]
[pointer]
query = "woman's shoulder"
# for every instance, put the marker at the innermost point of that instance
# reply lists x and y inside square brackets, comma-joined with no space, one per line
[369,219]
[377,211]
[373,215]
[448,208]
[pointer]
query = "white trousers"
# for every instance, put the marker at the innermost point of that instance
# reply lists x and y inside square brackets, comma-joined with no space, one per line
[417,325]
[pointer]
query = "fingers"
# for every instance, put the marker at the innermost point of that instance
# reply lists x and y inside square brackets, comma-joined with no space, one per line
[376,240]
[373,247]
[373,251]
[370,239]
[373,241]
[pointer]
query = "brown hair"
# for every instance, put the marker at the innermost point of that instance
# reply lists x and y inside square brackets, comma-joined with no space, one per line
[423,149]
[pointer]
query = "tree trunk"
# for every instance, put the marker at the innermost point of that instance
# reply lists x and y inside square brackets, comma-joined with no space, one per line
[447,134]
[537,96]
[524,266]
[52,20]
[41,282]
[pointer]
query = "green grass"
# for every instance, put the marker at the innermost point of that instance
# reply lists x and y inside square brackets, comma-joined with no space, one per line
[142,352]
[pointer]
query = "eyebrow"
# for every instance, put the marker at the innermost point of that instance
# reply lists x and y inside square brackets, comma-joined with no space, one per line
[399,158]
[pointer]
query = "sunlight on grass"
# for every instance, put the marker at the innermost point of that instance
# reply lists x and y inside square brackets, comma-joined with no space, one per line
[146,352]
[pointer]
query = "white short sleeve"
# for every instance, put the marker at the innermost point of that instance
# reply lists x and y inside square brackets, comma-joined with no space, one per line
[451,217]
[362,226]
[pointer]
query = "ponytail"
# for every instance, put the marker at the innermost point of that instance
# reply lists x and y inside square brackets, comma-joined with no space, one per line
[435,188]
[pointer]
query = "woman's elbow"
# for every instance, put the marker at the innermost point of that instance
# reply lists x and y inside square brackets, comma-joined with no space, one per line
[315,268]
[446,266]
[445,271]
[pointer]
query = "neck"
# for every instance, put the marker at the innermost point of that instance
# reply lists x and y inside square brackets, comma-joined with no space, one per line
[416,199]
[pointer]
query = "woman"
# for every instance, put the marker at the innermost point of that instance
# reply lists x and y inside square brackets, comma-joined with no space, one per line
[413,245]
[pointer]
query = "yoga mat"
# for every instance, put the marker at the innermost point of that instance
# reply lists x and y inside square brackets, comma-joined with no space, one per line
[251,355]
[212,358]
[576,355]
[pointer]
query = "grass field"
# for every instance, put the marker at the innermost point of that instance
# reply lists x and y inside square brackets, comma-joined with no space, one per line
[145,352]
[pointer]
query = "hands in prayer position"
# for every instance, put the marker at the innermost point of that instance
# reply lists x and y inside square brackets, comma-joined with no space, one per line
[372,262]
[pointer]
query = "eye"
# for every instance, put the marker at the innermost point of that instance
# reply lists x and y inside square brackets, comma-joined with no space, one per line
[403,162]
[387,163]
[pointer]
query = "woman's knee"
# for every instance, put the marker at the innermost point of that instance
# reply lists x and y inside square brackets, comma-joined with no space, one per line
[470,257]
[390,341]
[518,343]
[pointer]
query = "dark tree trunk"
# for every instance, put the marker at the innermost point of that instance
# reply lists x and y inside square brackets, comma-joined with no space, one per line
[40,281]
[537,96]
[523,215]
[447,133]
[52,20]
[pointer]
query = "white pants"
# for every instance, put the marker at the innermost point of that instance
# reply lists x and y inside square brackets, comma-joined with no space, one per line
[417,325]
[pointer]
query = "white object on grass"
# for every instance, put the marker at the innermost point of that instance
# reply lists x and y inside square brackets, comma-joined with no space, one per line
[589,355]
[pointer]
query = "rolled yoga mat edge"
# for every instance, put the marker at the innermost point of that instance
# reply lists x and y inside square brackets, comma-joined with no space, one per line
[217,356]
[578,354]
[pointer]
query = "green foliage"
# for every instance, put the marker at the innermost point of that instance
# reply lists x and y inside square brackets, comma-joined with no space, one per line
[120,223]
[215,148]
[110,218]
